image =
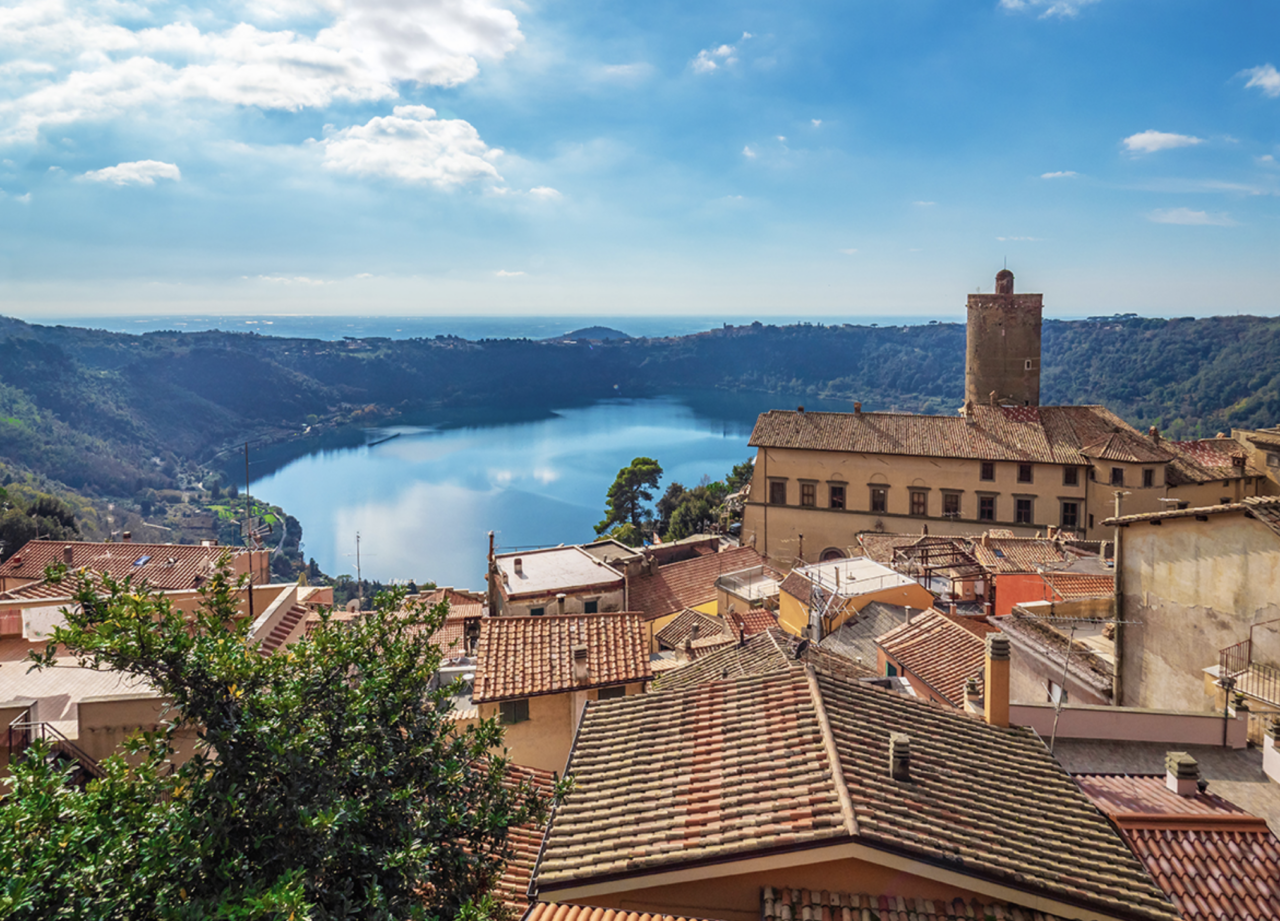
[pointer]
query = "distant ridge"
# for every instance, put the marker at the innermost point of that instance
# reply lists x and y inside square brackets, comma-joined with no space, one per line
[593,332]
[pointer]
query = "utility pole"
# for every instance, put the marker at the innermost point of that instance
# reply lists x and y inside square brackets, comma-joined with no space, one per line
[248,537]
[359,578]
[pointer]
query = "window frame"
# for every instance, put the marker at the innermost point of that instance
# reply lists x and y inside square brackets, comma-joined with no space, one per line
[832,489]
[511,712]
[1021,502]
[950,498]
[919,497]
[777,487]
[616,692]
[1070,476]
[1062,513]
[808,494]
[1117,477]
[879,496]
[540,611]
[591,606]
[1026,473]
[1148,477]
[987,472]
[983,502]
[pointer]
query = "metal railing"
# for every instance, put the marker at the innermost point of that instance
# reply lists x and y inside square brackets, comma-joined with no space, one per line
[24,731]
[1253,679]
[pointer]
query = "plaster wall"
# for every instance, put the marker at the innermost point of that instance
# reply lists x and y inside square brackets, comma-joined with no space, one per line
[574,603]
[1129,724]
[1030,674]
[106,722]
[774,530]
[1192,588]
[545,738]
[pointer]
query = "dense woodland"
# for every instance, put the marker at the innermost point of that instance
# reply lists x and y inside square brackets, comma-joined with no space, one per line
[113,415]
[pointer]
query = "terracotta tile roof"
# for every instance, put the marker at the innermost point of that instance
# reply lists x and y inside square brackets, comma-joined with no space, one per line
[1045,434]
[756,620]
[1207,459]
[802,905]
[1073,586]
[688,583]
[732,768]
[939,651]
[451,636]
[1017,554]
[856,638]
[709,644]
[524,842]
[461,604]
[762,654]
[881,547]
[1214,860]
[1085,665]
[1128,447]
[674,634]
[527,656]
[552,911]
[1265,509]
[163,566]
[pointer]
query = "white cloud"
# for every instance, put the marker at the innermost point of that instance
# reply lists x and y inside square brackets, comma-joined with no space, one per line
[1266,160]
[848,252]
[748,152]
[1062,8]
[92,67]
[503,273]
[924,204]
[412,145]
[1060,174]
[782,138]
[1189,217]
[289,280]
[545,192]
[1150,141]
[1265,78]
[817,122]
[137,172]
[629,73]
[25,199]
[710,59]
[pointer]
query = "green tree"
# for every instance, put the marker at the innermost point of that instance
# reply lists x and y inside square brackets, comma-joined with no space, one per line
[692,516]
[667,504]
[632,488]
[330,781]
[741,475]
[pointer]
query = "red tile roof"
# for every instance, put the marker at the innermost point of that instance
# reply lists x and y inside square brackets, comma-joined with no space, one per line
[940,651]
[461,604]
[162,566]
[1207,459]
[524,842]
[1216,862]
[674,634]
[726,770]
[552,911]
[1128,447]
[756,620]
[528,656]
[797,904]
[1045,434]
[688,583]
[1017,554]
[1073,586]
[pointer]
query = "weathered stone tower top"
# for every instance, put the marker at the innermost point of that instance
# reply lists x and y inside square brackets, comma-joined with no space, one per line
[1002,358]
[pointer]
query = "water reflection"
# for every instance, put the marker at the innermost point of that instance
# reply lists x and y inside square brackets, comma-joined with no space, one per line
[424,501]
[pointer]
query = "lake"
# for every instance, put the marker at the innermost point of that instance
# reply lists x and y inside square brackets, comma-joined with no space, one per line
[424,501]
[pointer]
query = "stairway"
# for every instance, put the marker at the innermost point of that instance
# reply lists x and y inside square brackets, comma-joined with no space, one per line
[282,630]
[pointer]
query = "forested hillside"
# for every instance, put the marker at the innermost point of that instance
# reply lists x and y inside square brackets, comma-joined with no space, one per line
[110,414]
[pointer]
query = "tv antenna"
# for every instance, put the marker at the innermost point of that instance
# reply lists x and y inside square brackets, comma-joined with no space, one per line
[359,577]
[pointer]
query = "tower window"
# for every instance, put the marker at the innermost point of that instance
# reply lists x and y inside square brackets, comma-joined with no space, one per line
[1028,364]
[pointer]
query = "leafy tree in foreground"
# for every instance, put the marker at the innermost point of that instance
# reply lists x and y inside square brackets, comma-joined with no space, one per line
[331,782]
[632,488]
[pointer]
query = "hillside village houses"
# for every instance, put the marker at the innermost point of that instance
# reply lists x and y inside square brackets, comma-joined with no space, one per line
[969,690]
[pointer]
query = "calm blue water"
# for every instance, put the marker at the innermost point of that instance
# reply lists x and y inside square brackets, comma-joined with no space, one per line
[423,502]
[473,327]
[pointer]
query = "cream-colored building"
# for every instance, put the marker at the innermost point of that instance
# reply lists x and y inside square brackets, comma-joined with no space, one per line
[816,600]
[820,478]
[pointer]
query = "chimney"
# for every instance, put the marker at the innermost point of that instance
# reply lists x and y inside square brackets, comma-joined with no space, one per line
[857,408]
[580,671]
[1154,433]
[899,756]
[560,602]
[688,648]
[953,609]
[986,539]
[800,409]
[992,398]
[519,565]
[1051,533]
[694,631]
[68,554]
[1181,773]
[908,610]
[126,536]
[996,690]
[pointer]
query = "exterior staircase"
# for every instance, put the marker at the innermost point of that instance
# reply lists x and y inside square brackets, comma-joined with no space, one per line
[23,731]
[283,629]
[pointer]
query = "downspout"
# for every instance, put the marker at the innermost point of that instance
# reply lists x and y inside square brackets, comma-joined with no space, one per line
[764,521]
[1117,675]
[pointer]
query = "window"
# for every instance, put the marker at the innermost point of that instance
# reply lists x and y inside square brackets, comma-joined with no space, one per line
[1091,520]
[1070,476]
[837,497]
[988,470]
[951,505]
[1070,515]
[1148,478]
[591,607]
[777,492]
[1027,366]
[809,494]
[1022,511]
[890,669]
[1117,476]
[612,693]
[879,499]
[513,711]
[1273,460]
[919,503]
[986,508]
[1024,473]
[537,612]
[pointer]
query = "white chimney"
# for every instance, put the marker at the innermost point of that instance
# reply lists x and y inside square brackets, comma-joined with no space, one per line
[1181,773]
[519,566]
[560,603]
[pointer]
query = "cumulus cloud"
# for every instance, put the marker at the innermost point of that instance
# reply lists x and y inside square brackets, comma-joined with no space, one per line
[1151,141]
[79,62]
[545,192]
[412,145]
[137,172]
[1060,174]
[1189,217]
[1265,78]
[1061,8]
[503,273]
[817,122]
[711,59]
[748,152]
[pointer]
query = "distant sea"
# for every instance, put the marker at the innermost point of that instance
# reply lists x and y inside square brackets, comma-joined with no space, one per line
[473,327]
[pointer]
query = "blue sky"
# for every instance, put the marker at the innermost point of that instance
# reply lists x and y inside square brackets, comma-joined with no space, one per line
[537,156]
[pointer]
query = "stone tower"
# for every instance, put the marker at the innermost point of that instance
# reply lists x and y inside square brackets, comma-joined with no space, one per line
[1002,356]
